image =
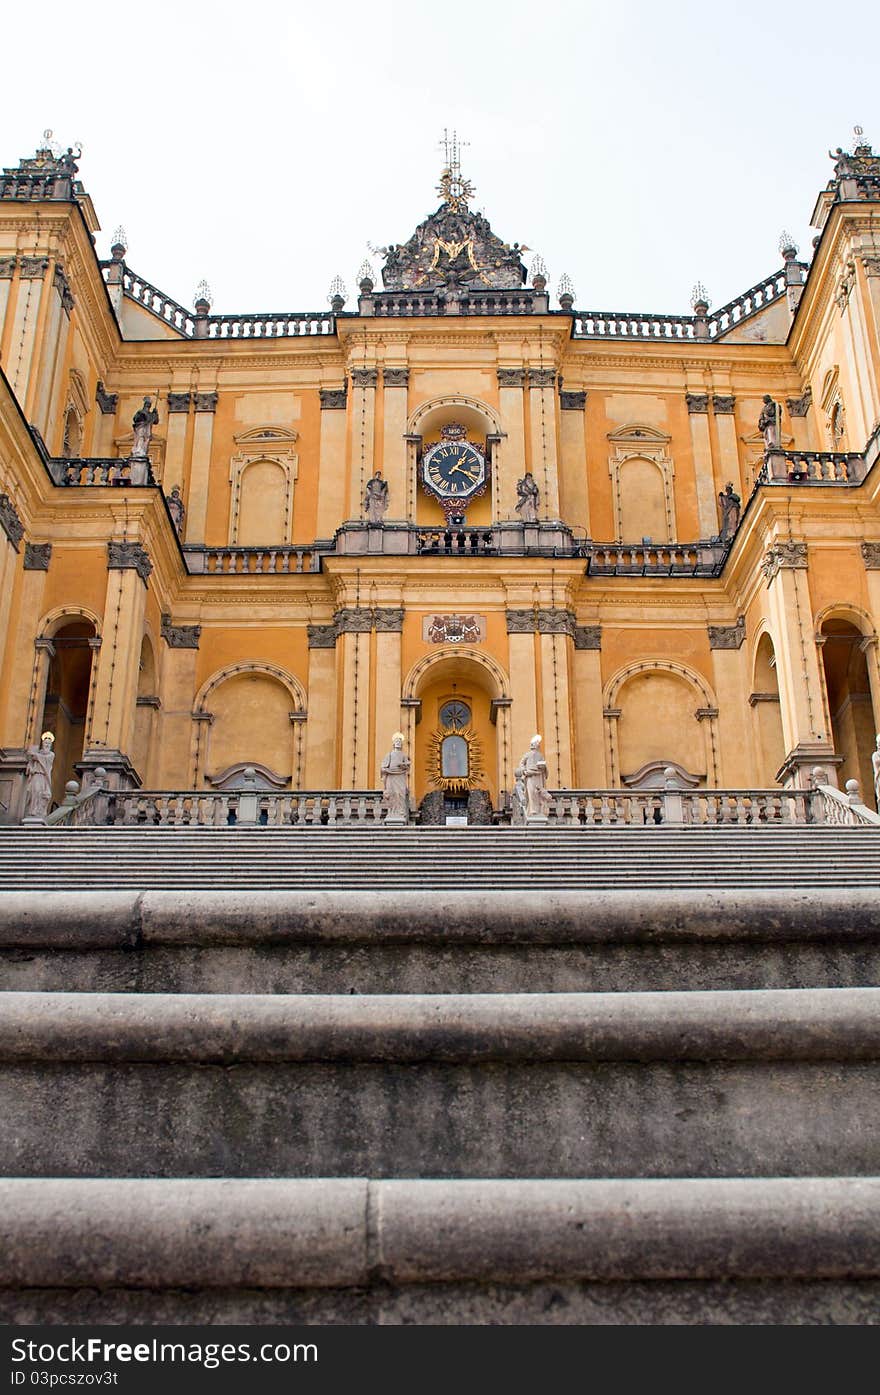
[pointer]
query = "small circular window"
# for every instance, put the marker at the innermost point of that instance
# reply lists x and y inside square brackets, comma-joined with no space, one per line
[455,714]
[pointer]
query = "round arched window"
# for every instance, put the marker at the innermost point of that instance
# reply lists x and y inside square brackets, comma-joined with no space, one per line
[455,713]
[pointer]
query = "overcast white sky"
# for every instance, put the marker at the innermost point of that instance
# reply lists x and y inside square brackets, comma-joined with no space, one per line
[638,146]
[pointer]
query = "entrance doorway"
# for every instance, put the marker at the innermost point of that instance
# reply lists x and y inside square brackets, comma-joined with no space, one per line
[850,708]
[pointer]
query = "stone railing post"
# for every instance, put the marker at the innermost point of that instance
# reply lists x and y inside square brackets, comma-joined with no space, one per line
[673,804]
[248,813]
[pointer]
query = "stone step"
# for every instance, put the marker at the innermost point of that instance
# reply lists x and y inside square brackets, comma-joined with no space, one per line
[718,1084]
[420,942]
[353,1250]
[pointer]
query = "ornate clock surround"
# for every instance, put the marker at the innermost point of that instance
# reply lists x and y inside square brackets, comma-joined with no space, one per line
[454,455]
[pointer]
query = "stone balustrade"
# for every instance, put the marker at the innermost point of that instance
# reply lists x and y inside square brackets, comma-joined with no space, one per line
[615,808]
[19,186]
[619,324]
[253,561]
[82,471]
[650,559]
[259,326]
[812,467]
[219,809]
[835,807]
[140,290]
[456,542]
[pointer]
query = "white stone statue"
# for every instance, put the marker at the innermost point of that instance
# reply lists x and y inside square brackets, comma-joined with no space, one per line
[38,780]
[531,775]
[395,784]
[875,764]
[143,423]
[527,498]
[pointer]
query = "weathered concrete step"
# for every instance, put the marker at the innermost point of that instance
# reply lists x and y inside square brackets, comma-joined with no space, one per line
[663,1085]
[348,1250]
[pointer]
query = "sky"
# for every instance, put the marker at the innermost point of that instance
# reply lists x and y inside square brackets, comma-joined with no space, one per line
[638,147]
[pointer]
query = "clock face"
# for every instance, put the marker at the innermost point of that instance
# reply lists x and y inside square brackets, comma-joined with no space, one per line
[454,471]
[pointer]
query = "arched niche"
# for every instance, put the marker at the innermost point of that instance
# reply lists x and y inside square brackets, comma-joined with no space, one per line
[767,713]
[458,676]
[146,713]
[249,714]
[847,643]
[483,427]
[660,713]
[63,688]
[642,475]
[262,476]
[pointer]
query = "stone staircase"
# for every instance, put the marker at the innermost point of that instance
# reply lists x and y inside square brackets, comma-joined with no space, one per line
[440,1075]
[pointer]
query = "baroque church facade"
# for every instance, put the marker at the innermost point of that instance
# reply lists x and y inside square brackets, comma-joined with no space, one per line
[458,508]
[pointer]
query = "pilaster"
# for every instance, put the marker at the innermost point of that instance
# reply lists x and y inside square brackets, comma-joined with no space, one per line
[737,757]
[512,455]
[724,409]
[321,728]
[544,454]
[395,385]
[708,523]
[363,432]
[331,466]
[200,466]
[116,680]
[574,500]
[32,271]
[175,441]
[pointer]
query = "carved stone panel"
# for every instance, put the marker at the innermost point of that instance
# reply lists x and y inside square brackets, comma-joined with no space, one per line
[129,556]
[871,556]
[107,401]
[37,557]
[180,636]
[697,403]
[727,636]
[10,521]
[454,629]
[511,377]
[521,622]
[354,620]
[179,401]
[395,377]
[723,406]
[322,636]
[572,401]
[792,555]
[333,399]
[365,377]
[388,619]
[205,401]
[588,636]
[33,268]
[799,406]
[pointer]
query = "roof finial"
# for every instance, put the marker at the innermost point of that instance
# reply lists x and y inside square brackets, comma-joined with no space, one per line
[453,189]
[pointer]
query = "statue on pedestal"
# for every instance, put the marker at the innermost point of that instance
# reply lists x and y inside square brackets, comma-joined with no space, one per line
[376,498]
[176,509]
[768,422]
[731,504]
[527,498]
[143,423]
[38,780]
[395,784]
[531,779]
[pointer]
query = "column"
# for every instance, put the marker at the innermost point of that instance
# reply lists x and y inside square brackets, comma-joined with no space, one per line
[737,758]
[556,629]
[524,712]
[389,628]
[200,467]
[395,383]
[109,733]
[7,271]
[354,625]
[363,427]
[704,477]
[32,271]
[574,500]
[797,662]
[511,453]
[178,690]
[542,420]
[871,559]
[724,407]
[320,768]
[105,427]
[55,346]
[175,443]
[590,769]
[11,534]
[331,465]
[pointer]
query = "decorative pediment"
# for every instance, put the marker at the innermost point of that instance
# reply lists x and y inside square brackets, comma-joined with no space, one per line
[233,778]
[637,434]
[258,437]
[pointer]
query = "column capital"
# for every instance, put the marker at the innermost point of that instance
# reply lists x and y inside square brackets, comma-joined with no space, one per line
[180,636]
[129,556]
[723,406]
[727,636]
[179,401]
[364,377]
[871,556]
[511,377]
[542,377]
[10,521]
[588,636]
[205,401]
[333,399]
[107,401]
[322,636]
[790,556]
[697,403]
[37,557]
[395,377]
